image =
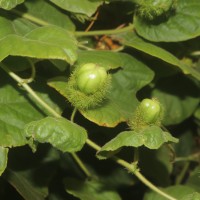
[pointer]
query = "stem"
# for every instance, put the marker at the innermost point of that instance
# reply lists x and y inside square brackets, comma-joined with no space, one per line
[77,33]
[33,72]
[194,157]
[88,141]
[195,53]
[73,114]
[41,102]
[135,172]
[105,32]
[85,47]
[76,158]
[30,17]
[93,145]
[81,165]
[136,155]
[181,176]
[153,187]
[29,90]
[92,22]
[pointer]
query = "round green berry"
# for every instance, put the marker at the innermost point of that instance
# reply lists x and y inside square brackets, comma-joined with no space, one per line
[90,78]
[150,110]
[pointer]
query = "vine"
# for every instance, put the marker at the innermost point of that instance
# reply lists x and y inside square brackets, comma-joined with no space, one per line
[123,163]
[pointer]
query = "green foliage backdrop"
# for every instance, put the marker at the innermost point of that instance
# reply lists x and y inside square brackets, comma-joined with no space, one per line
[47,146]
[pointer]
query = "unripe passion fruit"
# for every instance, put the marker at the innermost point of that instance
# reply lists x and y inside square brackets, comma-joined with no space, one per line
[150,110]
[87,86]
[90,78]
[150,9]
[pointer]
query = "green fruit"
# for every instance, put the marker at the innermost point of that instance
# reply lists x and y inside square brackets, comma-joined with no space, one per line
[150,9]
[87,86]
[90,78]
[150,110]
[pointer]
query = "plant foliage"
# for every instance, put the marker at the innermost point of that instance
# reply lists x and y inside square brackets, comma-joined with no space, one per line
[149,49]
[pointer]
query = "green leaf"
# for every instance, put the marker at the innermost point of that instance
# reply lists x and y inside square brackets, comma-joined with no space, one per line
[177,191]
[89,190]
[17,26]
[24,185]
[184,24]
[31,174]
[193,196]
[9,4]
[85,7]
[131,39]
[128,76]
[178,101]
[45,42]
[48,95]
[6,27]
[3,159]
[151,137]
[16,109]
[194,179]
[197,113]
[59,132]
[48,13]
[186,144]
[156,165]
[118,178]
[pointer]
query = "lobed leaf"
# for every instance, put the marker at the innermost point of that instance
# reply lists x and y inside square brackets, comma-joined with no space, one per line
[59,132]
[184,24]
[151,137]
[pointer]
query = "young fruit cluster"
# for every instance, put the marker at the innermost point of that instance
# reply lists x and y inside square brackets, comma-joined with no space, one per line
[88,85]
[151,9]
[149,112]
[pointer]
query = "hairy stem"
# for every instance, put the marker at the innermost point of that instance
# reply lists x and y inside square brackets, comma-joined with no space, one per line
[88,141]
[105,32]
[23,83]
